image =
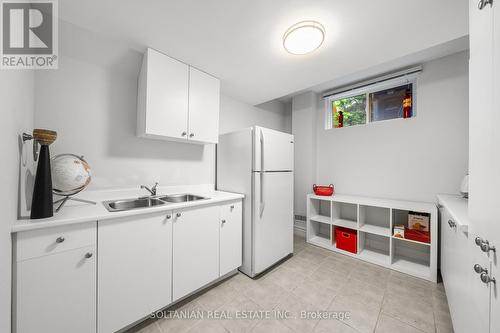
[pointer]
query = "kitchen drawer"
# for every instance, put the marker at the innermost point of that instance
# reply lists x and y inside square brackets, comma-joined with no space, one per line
[41,242]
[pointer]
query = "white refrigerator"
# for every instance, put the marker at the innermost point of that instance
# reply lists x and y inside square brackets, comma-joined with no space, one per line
[258,162]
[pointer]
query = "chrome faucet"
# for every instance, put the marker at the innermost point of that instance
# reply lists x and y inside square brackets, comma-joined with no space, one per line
[151,190]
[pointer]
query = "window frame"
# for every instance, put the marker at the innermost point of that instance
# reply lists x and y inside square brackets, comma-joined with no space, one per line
[367,90]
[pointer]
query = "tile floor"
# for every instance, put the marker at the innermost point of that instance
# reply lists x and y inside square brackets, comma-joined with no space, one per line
[377,299]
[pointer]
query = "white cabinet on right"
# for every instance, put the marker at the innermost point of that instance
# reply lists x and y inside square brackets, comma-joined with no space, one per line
[462,263]
[176,102]
[230,238]
[460,281]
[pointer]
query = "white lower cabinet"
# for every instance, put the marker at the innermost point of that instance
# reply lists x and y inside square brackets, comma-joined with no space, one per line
[467,296]
[139,264]
[134,269]
[454,266]
[231,246]
[56,292]
[195,249]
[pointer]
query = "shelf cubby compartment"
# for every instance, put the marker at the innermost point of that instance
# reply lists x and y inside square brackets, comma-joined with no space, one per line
[319,233]
[375,220]
[334,243]
[412,257]
[345,215]
[320,211]
[374,248]
[400,216]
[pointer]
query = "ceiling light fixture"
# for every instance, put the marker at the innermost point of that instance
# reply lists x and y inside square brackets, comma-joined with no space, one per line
[303,37]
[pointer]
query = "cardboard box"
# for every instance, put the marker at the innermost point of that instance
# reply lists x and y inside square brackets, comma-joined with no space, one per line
[399,231]
[418,221]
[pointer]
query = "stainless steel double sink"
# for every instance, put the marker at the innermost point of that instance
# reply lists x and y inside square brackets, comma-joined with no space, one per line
[147,202]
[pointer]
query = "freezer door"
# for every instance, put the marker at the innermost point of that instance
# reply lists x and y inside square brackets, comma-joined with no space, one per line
[273,150]
[273,218]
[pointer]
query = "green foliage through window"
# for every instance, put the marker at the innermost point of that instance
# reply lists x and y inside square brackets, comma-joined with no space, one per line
[353,110]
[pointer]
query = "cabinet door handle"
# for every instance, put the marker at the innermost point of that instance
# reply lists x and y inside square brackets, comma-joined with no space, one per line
[452,223]
[169,216]
[232,207]
[183,134]
[191,135]
[480,269]
[487,279]
[88,255]
[60,240]
[482,3]
[223,221]
[178,214]
[486,247]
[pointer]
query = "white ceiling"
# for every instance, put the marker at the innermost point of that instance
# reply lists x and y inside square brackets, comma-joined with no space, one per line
[240,42]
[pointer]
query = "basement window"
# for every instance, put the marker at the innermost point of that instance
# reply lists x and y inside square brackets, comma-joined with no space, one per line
[349,111]
[389,99]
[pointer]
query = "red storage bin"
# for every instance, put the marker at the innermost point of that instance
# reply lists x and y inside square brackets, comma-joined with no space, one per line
[323,190]
[417,235]
[347,239]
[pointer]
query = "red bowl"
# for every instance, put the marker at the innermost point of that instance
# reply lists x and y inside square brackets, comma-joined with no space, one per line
[323,190]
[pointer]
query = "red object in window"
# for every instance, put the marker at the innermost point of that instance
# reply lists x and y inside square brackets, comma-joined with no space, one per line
[407,105]
[323,190]
[341,119]
[347,239]
[417,235]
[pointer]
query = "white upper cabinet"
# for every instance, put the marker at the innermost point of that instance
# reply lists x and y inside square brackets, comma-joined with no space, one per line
[163,97]
[176,102]
[204,101]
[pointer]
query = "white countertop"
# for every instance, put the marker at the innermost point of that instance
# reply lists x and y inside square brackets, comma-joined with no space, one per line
[78,212]
[457,206]
[378,202]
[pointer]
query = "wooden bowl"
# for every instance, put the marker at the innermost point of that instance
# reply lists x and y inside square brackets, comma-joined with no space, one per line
[44,136]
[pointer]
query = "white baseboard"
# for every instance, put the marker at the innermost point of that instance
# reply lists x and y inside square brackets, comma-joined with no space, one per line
[299,232]
[299,229]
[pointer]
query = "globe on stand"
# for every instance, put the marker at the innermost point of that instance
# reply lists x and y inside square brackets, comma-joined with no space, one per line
[71,174]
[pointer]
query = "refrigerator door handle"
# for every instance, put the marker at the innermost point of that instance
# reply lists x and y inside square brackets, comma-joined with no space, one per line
[261,150]
[262,202]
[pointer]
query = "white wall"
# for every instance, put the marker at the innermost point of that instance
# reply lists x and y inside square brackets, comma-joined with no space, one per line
[17,96]
[235,115]
[91,102]
[93,109]
[304,131]
[412,159]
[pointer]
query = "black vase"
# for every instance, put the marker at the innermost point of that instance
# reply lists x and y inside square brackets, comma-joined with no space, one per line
[42,204]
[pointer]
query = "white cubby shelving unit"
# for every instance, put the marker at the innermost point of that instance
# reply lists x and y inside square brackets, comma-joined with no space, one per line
[374,219]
